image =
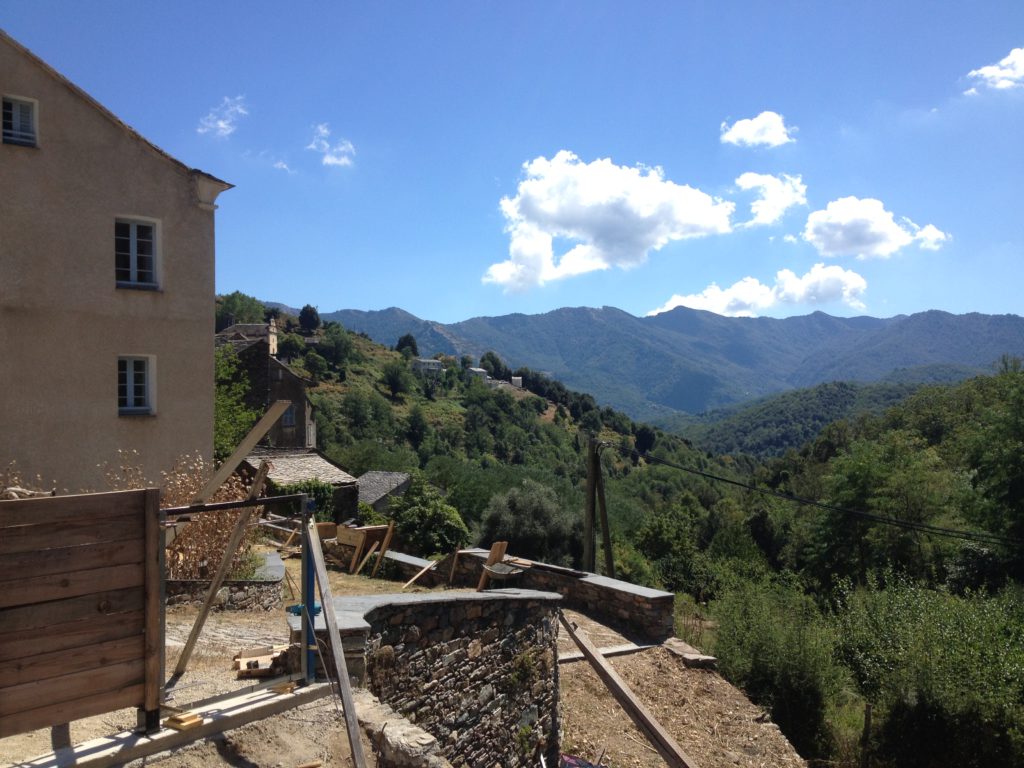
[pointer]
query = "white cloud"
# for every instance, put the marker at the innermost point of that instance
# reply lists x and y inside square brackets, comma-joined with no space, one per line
[789,238]
[340,153]
[776,195]
[281,165]
[767,129]
[931,237]
[614,215]
[851,226]
[820,286]
[222,120]
[1008,73]
[750,296]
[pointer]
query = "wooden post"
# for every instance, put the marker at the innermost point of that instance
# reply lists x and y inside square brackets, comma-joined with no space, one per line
[666,746]
[606,534]
[345,689]
[589,560]
[369,554]
[149,715]
[225,565]
[383,548]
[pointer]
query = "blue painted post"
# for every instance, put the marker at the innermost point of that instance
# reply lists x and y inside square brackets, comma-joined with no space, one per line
[308,594]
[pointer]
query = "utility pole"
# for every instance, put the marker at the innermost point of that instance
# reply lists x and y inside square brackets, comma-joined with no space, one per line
[595,499]
[589,560]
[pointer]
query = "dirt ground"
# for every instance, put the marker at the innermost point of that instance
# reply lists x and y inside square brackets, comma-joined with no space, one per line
[712,721]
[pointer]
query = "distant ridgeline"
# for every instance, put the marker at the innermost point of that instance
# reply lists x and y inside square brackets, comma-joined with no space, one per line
[686,361]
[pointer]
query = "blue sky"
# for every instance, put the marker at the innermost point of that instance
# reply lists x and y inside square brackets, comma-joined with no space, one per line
[476,158]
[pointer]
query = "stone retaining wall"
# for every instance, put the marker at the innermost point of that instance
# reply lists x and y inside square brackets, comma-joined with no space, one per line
[233,596]
[477,671]
[640,612]
[260,593]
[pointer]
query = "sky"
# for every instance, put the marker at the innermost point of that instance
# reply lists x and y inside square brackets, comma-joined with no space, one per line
[464,159]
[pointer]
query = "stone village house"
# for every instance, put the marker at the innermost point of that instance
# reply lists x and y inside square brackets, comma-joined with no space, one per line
[106,286]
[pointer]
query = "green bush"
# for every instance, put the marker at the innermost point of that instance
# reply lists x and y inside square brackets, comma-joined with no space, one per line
[945,670]
[773,642]
[425,524]
[320,492]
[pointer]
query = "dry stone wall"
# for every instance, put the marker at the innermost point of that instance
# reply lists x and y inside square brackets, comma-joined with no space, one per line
[637,611]
[477,671]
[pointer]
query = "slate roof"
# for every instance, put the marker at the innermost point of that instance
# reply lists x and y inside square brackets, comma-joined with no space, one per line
[291,465]
[375,485]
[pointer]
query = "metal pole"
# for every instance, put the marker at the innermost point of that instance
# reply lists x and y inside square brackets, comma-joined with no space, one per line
[308,595]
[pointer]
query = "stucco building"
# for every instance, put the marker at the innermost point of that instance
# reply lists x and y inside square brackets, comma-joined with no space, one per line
[106,286]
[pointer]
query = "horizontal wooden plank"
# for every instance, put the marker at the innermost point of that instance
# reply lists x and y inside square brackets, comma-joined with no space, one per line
[55,713]
[350,536]
[69,635]
[57,663]
[58,510]
[77,685]
[32,538]
[66,559]
[224,715]
[57,586]
[72,609]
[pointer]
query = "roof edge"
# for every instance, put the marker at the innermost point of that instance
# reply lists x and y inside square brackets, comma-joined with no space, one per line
[78,91]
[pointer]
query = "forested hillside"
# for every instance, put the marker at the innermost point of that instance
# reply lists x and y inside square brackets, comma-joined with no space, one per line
[688,361]
[877,564]
[778,423]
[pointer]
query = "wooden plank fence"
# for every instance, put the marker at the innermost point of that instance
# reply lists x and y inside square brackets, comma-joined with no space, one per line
[81,610]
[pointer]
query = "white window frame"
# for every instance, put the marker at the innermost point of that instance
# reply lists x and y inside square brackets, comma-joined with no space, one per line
[18,137]
[133,280]
[130,400]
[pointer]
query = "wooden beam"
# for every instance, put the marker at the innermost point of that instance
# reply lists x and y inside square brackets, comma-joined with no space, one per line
[155,644]
[218,717]
[340,667]
[414,579]
[366,558]
[666,746]
[274,412]
[241,525]
[383,549]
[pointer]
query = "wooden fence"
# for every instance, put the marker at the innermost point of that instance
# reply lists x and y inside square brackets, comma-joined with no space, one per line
[81,613]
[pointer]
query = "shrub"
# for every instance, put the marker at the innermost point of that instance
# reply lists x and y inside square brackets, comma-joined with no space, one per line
[773,642]
[320,492]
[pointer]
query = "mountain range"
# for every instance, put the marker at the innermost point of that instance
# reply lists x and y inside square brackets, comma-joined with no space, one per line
[688,361]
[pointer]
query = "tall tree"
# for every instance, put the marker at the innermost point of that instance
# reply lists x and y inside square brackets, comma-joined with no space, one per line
[309,318]
[238,307]
[407,346]
[232,418]
[396,377]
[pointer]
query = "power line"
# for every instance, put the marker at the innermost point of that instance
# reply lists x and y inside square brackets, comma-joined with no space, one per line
[935,530]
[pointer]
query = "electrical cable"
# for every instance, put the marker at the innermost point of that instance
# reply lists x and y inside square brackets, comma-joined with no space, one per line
[936,530]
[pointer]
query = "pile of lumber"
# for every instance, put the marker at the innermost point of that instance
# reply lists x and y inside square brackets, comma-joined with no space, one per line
[265,661]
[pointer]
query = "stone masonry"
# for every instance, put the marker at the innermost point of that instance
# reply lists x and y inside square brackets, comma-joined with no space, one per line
[477,671]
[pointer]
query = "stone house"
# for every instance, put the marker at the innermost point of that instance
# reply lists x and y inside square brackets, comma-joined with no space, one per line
[270,380]
[106,287]
[428,367]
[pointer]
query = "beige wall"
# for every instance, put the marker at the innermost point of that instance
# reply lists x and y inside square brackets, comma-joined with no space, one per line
[63,322]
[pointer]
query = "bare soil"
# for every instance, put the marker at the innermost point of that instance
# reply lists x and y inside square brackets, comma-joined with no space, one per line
[711,720]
